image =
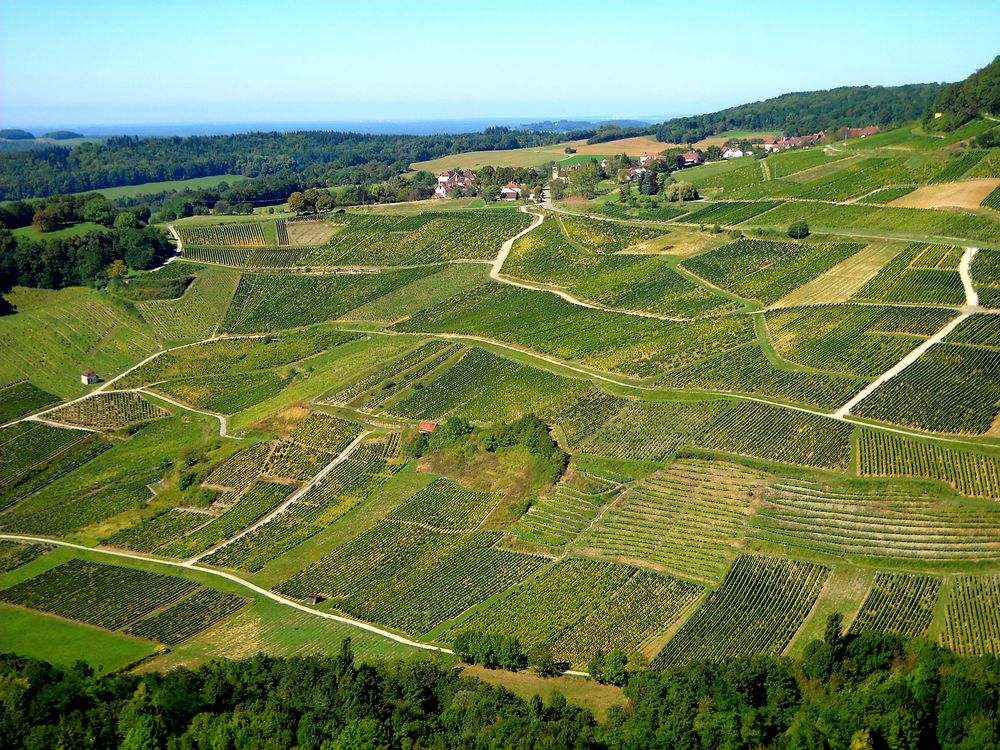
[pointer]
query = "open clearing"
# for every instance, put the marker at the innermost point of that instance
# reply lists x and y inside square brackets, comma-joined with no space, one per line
[841,282]
[966,194]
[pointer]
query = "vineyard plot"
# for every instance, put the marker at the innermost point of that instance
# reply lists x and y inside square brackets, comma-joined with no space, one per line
[882,454]
[15,554]
[241,234]
[445,505]
[686,519]
[761,603]
[110,596]
[189,617]
[972,619]
[108,411]
[411,578]
[22,398]
[556,519]
[898,603]
[581,606]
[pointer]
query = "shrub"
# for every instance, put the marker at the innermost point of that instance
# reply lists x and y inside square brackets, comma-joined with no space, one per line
[798,230]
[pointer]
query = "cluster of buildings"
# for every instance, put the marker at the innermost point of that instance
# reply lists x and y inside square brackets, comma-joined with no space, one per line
[784,143]
[450,183]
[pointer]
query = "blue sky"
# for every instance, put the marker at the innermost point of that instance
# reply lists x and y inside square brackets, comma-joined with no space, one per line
[69,62]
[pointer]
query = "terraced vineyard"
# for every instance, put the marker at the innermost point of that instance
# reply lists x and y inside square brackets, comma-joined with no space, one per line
[581,606]
[898,603]
[686,519]
[727,213]
[111,410]
[556,519]
[888,521]
[757,609]
[153,533]
[972,620]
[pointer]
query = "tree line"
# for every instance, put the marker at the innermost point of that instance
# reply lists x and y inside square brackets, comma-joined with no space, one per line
[320,158]
[961,102]
[868,692]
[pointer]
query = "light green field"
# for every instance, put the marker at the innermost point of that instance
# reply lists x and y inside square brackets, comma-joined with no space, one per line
[64,642]
[73,230]
[150,188]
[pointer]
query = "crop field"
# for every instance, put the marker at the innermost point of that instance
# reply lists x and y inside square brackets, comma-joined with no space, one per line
[863,341]
[887,195]
[766,270]
[350,483]
[109,596]
[411,578]
[22,398]
[268,302]
[951,388]
[992,200]
[876,520]
[56,335]
[196,314]
[882,454]
[757,609]
[972,619]
[581,606]
[112,410]
[241,234]
[446,506]
[556,519]
[775,434]
[898,603]
[255,503]
[15,554]
[685,519]
[747,370]
[384,240]
[542,322]
[188,617]
[630,282]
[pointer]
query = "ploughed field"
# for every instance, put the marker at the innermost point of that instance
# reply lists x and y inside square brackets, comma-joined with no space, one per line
[260,398]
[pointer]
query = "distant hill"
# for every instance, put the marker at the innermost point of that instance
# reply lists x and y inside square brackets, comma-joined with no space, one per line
[810,111]
[14,134]
[569,126]
[961,102]
[63,135]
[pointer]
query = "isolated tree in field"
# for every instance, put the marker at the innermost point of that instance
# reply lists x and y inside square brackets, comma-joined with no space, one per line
[798,231]
[615,668]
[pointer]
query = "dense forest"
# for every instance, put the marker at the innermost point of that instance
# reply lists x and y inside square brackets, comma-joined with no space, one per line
[960,102]
[809,111]
[870,692]
[320,158]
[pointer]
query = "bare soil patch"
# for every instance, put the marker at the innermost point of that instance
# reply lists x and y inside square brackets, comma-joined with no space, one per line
[310,232]
[966,194]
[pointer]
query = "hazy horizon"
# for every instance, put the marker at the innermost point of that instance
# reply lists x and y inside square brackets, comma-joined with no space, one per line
[177,62]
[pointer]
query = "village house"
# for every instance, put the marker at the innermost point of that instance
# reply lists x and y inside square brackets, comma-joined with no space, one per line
[649,157]
[510,192]
[634,173]
[732,152]
[691,158]
[449,183]
[89,377]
